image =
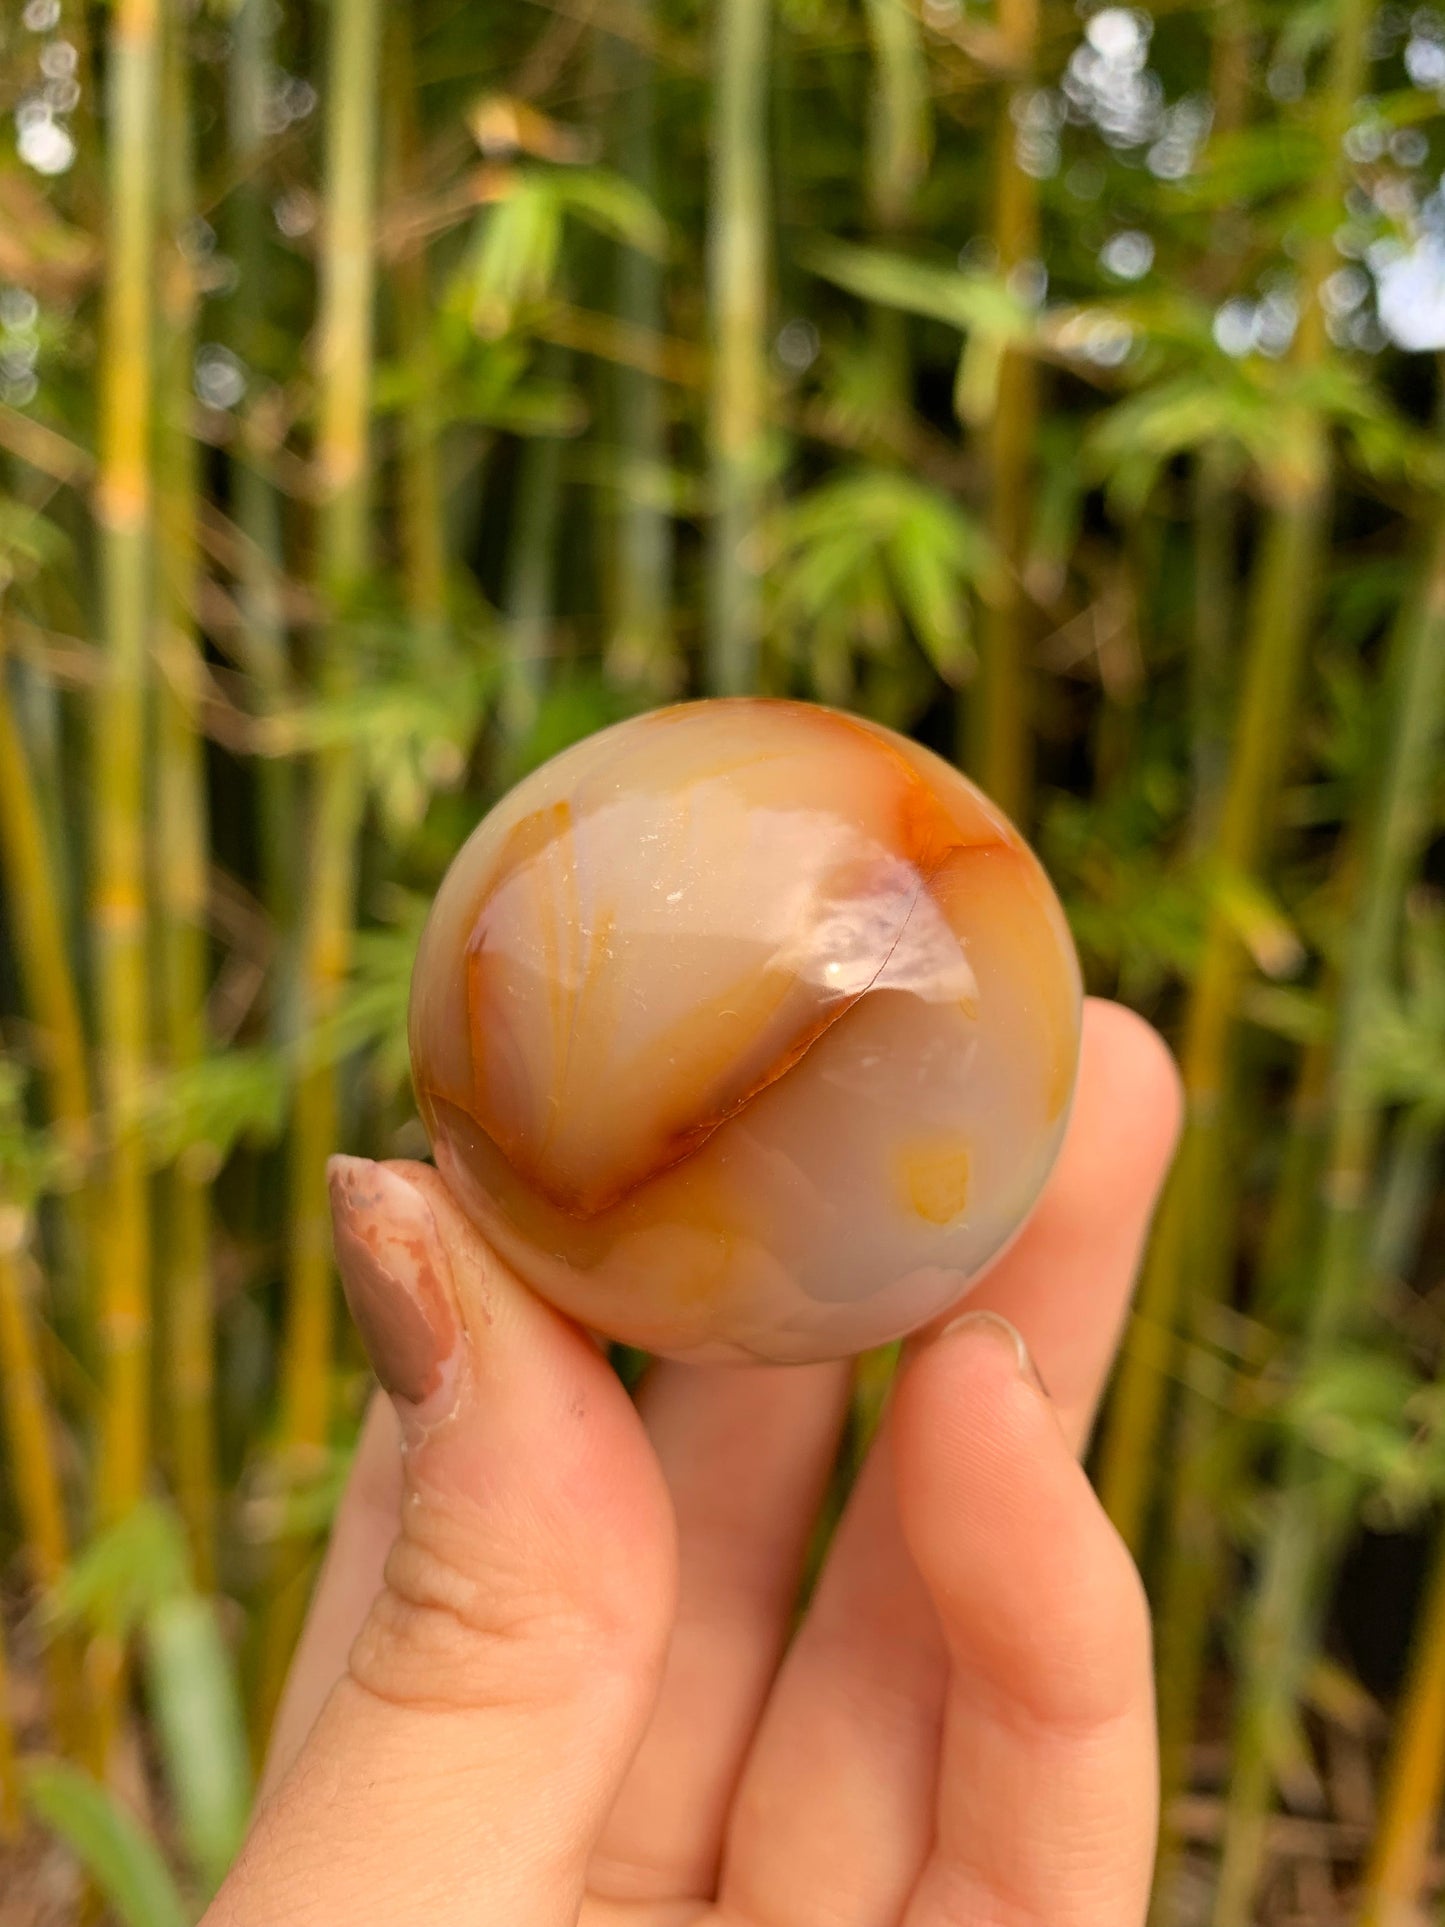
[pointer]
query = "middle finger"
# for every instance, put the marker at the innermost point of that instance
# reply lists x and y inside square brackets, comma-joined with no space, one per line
[746,1451]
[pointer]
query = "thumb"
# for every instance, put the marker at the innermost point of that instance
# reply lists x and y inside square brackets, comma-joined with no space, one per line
[464,1765]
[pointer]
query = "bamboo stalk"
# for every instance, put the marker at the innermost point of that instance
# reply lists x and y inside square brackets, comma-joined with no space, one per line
[899,143]
[1407,1189]
[1280,1634]
[640,646]
[423,526]
[38,920]
[181,854]
[529,594]
[1215,625]
[344,373]
[1281,606]
[998,716]
[1290,559]
[1284,1254]
[738,295]
[1396,1874]
[124,512]
[34,1470]
[257,507]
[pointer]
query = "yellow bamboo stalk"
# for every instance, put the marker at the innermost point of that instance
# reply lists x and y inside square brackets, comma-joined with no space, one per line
[344,370]
[999,710]
[124,509]
[38,922]
[34,1468]
[181,853]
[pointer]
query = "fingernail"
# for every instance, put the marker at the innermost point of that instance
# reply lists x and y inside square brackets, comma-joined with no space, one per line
[398,1281]
[997,1329]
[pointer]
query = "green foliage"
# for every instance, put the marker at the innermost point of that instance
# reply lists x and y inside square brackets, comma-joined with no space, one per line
[865,555]
[135,1580]
[200,1725]
[112,1846]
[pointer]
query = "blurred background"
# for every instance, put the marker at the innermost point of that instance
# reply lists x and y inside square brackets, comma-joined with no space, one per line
[390,395]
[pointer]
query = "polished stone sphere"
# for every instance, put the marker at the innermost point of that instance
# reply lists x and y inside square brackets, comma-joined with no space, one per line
[746,1029]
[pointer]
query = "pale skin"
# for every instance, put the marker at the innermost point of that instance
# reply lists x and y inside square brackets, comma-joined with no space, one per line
[553,1670]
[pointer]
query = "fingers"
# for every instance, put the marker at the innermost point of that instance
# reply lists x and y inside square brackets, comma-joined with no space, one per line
[501,1682]
[1066,1283]
[364,1530]
[834,1814]
[746,1452]
[827,1810]
[1047,1789]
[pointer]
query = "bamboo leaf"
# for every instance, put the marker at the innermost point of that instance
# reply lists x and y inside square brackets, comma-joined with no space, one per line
[115,1850]
[966,301]
[196,1702]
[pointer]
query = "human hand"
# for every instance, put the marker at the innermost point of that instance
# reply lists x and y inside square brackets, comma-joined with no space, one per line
[548,1672]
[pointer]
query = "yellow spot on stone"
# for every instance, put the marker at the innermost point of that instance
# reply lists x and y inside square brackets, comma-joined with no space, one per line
[933,1178]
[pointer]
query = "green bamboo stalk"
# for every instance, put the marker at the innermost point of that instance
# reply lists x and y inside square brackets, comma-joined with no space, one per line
[124,513]
[1188,1240]
[1212,1447]
[899,144]
[1284,1248]
[738,293]
[998,715]
[34,1469]
[1281,1631]
[528,597]
[344,375]
[640,647]
[257,507]
[1190,1246]
[1407,1189]
[1216,518]
[423,525]
[181,854]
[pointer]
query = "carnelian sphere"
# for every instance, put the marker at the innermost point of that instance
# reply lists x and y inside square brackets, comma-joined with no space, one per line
[746,1029]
